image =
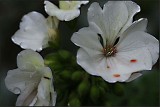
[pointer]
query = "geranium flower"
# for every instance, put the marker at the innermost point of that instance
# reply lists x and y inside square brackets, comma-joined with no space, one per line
[32,80]
[67,10]
[112,46]
[35,31]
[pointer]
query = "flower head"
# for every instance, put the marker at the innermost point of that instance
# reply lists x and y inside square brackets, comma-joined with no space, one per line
[112,46]
[35,31]
[32,80]
[67,10]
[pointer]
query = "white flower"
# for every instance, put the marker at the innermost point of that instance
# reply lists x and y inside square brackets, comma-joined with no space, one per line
[112,46]
[67,10]
[32,80]
[34,32]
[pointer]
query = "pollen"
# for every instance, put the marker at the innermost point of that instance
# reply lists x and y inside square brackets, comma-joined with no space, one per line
[133,60]
[109,51]
[116,75]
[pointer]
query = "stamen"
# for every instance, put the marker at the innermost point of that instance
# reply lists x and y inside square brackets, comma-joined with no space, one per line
[109,51]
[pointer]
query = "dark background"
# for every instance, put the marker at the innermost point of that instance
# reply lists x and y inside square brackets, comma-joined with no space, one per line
[141,92]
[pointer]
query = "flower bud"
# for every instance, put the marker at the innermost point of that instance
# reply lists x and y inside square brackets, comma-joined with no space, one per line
[83,88]
[102,91]
[104,85]
[65,74]
[94,93]
[52,60]
[74,61]
[118,89]
[74,102]
[107,104]
[77,76]
[64,55]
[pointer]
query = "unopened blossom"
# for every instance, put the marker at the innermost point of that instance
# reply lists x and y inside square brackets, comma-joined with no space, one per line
[32,80]
[68,10]
[113,46]
[35,31]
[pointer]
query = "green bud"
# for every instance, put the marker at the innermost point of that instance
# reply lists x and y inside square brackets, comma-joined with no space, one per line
[107,104]
[102,91]
[118,89]
[77,76]
[104,85]
[73,61]
[94,93]
[83,88]
[64,55]
[73,95]
[66,74]
[59,95]
[52,60]
[74,102]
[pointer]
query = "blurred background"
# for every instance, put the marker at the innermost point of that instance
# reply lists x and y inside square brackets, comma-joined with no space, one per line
[144,91]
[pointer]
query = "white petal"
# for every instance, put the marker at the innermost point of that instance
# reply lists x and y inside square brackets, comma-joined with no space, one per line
[112,70]
[112,78]
[132,8]
[134,76]
[138,40]
[139,25]
[29,60]
[95,19]
[119,65]
[17,81]
[88,40]
[33,101]
[54,98]
[65,15]
[105,67]
[32,33]
[115,16]
[53,94]
[26,97]
[122,65]
[84,2]
[84,60]
[134,60]
[45,89]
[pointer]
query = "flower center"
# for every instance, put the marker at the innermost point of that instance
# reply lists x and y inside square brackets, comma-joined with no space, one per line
[109,51]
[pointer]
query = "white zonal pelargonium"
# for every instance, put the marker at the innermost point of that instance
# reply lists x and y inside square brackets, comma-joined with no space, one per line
[68,10]
[32,80]
[112,46]
[36,31]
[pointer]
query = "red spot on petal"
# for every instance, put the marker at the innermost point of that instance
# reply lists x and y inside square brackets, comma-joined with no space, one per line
[116,75]
[133,60]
